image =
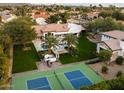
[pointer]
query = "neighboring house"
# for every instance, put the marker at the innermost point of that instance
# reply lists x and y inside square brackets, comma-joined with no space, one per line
[7,16]
[113,41]
[40,16]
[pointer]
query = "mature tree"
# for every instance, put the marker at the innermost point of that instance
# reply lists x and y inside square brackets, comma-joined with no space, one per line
[105,14]
[4,68]
[100,5]
[104,25]
[49,9]
[67,8]
[105,55]
[5,42]
[71,42]
[57,17]
[51,41]
[20,31]
[53,19]
[112,7]
[113,84]
[118,15]
[22,10]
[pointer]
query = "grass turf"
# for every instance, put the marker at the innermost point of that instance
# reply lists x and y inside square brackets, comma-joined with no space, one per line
[86,51]
[19,82]
[24,60]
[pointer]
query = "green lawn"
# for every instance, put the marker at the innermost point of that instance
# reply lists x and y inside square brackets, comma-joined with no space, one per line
[87,50]
[24,60]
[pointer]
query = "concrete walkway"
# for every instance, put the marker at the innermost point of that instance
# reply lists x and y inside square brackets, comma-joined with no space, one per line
[43,67]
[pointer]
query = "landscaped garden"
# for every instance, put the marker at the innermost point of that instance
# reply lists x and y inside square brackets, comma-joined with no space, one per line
[24,60]
[86,50]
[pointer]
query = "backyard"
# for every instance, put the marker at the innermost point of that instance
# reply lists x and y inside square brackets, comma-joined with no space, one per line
[86,50]
[24,60]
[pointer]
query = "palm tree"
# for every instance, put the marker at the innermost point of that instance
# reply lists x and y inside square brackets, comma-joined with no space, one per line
[71,41]
[51,41]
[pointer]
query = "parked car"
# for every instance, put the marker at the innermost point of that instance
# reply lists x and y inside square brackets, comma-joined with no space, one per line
[50,58]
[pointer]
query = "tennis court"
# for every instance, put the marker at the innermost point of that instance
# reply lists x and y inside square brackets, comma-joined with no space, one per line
[38,84]
[77,79]
[65,78]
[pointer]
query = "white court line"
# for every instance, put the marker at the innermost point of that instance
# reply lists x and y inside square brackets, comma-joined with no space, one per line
[77,78]
[40,87]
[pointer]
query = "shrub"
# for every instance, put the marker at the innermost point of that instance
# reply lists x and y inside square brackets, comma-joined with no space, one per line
[119,73]
[105,55]
[114,84]
[100,86]
[119,60]
[104,69]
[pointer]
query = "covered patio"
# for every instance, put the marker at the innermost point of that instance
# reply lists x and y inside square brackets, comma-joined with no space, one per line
[60,49]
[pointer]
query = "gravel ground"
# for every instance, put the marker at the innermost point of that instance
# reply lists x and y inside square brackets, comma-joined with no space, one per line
[113,68]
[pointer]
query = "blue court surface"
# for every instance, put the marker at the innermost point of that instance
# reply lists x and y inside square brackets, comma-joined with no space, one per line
[77,79]
[38,84]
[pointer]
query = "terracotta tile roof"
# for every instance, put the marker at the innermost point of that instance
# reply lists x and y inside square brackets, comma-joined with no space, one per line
[51,28]
[114,44]
[42,14]
[115,34]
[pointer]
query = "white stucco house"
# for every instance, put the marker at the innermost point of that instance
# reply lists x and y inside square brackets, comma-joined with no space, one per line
[58,30]
[113,41]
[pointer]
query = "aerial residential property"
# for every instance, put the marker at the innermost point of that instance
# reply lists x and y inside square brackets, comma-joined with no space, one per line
[61,47]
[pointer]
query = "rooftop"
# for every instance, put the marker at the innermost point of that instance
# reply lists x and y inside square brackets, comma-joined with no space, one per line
[114,44]
[37,14]
[52,28]
[58,28]
[115,34]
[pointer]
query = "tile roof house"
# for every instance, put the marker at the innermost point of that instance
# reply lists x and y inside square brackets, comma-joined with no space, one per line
[39,14]
[58,29]
[113,41]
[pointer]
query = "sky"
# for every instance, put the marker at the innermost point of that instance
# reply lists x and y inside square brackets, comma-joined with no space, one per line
[87,4]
